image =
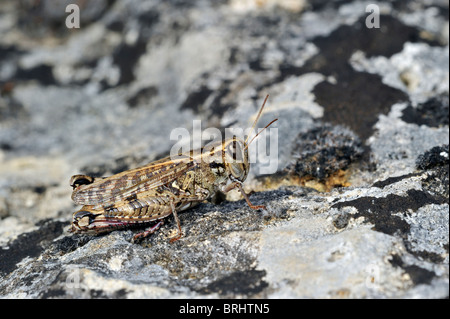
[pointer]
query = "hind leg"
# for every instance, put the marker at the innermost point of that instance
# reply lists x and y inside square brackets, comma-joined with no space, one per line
[148,232]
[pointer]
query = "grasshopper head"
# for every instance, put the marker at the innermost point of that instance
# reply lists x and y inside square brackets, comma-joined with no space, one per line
[235,152]
[235,157]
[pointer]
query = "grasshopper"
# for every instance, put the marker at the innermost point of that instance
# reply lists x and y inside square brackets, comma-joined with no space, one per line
[148,194]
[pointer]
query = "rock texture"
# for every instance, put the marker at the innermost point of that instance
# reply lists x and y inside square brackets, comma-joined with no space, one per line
[359,204]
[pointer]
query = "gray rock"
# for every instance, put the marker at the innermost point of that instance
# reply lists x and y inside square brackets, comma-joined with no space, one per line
[357,206]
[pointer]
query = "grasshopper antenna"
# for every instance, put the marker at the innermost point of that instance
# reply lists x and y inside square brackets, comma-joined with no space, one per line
[257,117]
[247,145]
[256,121]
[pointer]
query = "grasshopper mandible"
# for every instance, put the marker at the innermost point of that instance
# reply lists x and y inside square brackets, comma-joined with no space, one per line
[148,194]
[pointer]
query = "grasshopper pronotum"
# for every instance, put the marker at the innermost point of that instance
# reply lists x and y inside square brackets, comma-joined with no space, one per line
[152,192]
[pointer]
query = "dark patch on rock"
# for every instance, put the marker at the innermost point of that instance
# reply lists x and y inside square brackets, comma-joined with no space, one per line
[53,293]
[426,255]
[436,160]
[196,99]
[256,64]
[42,73]
[437,182]
[148,18]
[218,107]
[380,211]
[29,244]
[97,294]
[248,282]
[357,98]
[4,146]
[357,102]
[116,25]
[417,274]
[143,96]
[437,156]
[207,101]
[336,49]
[40,189]
[126,56]
[9,51]
[433,113]
[68,244]
[324,150]
[392,180]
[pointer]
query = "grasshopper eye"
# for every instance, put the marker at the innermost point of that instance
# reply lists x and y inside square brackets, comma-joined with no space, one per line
[234,152]
[236,160]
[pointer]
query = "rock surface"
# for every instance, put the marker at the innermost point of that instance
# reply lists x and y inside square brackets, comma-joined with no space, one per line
[359,204]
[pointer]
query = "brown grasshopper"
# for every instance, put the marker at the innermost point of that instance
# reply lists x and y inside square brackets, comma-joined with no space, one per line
[147,194]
